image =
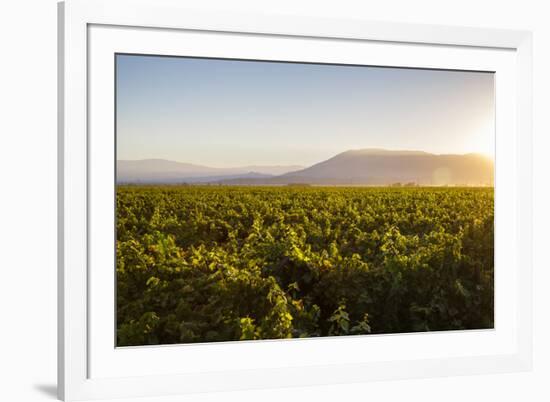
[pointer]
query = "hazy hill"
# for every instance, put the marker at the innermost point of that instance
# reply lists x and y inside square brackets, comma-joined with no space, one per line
[356,167]
[384,167]
[373,166]
[165,171]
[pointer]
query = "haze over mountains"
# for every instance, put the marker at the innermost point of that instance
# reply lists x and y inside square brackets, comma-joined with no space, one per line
[355,167]
[164,171]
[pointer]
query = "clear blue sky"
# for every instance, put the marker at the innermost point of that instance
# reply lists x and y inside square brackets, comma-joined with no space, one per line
[226,113]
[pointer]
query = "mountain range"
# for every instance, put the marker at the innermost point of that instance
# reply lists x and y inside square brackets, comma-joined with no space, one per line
[369,166]
[170,172]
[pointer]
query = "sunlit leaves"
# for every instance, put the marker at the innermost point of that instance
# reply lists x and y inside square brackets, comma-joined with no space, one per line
[209,263]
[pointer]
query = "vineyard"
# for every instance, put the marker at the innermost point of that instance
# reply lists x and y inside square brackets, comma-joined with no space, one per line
[215,263]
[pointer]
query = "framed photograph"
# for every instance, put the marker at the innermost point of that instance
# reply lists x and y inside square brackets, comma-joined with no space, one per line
[250,201]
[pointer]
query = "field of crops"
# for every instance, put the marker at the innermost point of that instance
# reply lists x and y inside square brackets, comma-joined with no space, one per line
[212,263]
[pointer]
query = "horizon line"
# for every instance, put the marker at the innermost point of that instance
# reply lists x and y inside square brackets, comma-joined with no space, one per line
[491,157]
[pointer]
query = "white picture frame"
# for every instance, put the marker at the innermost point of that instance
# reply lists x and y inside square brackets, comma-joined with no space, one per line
[90,367]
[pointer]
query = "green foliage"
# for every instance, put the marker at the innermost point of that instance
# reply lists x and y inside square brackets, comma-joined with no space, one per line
[211,263]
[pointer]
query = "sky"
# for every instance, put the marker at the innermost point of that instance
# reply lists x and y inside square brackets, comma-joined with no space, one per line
[228,113]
